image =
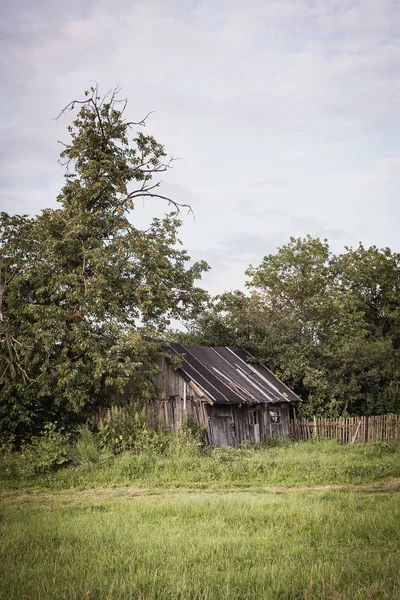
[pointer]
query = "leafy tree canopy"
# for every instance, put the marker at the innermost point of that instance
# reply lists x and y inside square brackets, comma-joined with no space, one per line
[327,324]
[80,284]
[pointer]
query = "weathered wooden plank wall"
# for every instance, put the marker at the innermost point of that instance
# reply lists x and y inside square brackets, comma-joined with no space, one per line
[348,429]
[278,421]
[226,425]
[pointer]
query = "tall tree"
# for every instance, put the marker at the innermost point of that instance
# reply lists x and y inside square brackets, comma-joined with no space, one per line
[326,324]
[373,275]
[81,284]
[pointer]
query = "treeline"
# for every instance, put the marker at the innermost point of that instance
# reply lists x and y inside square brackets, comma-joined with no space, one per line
[327,324]
[85,295]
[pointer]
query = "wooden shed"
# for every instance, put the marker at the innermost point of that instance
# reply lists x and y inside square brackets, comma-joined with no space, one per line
[223,389]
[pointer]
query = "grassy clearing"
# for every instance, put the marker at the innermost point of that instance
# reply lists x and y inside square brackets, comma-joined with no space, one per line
[200,545]
[294,521]
[288,464]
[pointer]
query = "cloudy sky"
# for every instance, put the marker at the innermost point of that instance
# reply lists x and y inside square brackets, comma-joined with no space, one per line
[285,113]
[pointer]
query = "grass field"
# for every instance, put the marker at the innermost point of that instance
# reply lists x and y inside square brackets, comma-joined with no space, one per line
[322,523]
[287,464]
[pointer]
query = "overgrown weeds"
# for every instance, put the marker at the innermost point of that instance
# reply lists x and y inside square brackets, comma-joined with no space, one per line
[160,458]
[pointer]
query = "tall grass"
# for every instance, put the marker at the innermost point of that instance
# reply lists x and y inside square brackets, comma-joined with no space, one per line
[201,545]
[183,463]
[199,523]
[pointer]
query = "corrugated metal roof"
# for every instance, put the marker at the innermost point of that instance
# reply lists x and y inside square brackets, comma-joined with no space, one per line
[228,377]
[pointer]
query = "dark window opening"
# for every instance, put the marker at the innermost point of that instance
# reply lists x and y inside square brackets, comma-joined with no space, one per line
[253,417]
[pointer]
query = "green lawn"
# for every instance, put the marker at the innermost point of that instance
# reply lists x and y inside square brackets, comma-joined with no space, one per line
[242,533]
[201,545]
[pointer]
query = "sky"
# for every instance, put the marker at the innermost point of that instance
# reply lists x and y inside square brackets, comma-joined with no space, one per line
[284,114]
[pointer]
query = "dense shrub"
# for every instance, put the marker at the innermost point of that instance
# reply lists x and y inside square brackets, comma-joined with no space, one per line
[87,448]
[49,450]
[43,454]
[126,429]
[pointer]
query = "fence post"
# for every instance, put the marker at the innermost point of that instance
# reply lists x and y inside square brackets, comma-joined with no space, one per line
[356,433]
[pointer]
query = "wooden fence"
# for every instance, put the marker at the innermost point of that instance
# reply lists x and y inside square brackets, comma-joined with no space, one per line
[348,429]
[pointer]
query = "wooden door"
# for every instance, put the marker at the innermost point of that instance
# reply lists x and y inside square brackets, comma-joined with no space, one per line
[223,426]
[254,425]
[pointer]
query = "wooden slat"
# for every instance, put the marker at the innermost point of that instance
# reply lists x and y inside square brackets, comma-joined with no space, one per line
[362,429]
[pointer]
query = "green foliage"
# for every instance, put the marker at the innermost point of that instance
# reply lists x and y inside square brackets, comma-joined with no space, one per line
[50,450]
[88,450]
[43,454]
[195,431]
[81,286]
[126,429]
[382,447]
[273,442]
[327,325]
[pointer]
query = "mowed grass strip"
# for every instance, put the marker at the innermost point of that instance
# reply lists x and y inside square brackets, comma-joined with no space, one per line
[197,545]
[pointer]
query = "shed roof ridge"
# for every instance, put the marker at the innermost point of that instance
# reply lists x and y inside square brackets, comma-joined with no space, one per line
[197,371]
[233,366]
[209,370]
[273,375]
[229,348]
[269,383]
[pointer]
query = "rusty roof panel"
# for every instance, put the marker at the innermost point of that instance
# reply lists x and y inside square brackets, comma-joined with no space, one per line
[228,376]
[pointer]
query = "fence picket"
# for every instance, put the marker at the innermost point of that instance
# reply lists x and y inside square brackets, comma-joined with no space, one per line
[369,429]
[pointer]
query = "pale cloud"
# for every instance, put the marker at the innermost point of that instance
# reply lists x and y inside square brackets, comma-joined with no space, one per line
[285,112]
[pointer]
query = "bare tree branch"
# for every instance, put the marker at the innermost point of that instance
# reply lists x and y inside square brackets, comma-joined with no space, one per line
[177,205]
[71,106]
[142,122]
